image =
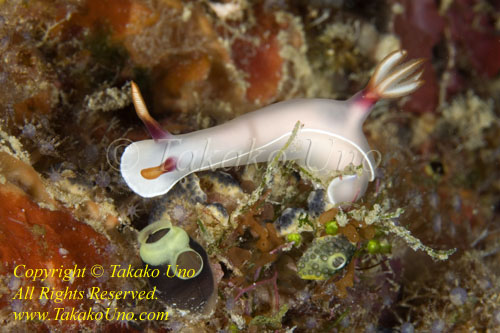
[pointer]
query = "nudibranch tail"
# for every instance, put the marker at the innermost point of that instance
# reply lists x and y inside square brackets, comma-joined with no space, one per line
[395,79]
[154,129]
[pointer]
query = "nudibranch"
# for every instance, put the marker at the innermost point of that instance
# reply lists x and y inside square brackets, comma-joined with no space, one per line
[330,139]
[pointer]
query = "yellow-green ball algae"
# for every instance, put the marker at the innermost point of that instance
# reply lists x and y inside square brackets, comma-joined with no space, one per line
[326,256]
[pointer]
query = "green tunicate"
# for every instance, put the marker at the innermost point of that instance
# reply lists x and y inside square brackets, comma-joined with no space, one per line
[172,248]
[326,256]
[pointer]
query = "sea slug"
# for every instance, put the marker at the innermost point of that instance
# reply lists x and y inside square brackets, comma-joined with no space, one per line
[330,140]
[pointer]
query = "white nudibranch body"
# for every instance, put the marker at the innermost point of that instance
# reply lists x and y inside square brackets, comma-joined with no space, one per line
[330,139]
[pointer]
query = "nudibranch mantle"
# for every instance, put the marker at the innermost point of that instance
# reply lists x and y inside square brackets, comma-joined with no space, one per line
[330,139]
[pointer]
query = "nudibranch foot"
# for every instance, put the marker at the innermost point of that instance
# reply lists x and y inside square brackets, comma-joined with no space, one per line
[352,185]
